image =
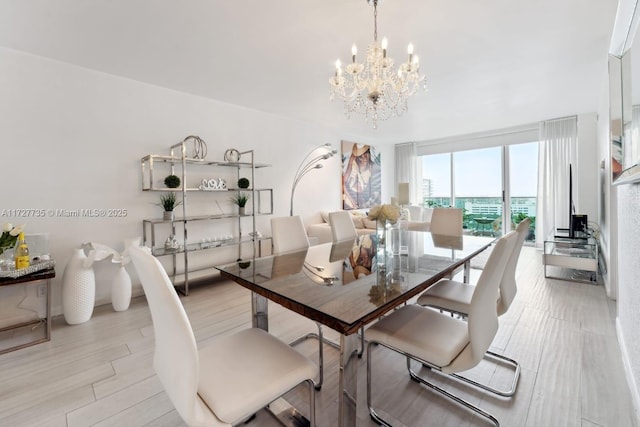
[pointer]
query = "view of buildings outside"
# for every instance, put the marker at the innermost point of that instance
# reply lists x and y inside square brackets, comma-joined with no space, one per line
[478,178]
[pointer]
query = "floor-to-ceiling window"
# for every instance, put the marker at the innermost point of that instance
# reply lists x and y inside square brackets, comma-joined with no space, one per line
[436,180]
[477,183]
[523,172]
[495,185]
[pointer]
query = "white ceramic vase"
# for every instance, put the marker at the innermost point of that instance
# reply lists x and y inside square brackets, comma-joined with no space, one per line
[78,289]
[121,290]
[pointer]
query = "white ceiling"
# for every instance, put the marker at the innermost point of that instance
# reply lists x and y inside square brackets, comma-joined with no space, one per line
[489,64]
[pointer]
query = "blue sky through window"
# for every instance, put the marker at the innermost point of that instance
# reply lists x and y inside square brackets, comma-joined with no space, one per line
[478,172]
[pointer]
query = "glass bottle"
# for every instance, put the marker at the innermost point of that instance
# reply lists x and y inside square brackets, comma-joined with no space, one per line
[21,253]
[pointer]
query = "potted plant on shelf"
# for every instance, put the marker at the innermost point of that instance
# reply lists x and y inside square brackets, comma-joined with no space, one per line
[240,199]
[172,181]
[243,183]
[168,202]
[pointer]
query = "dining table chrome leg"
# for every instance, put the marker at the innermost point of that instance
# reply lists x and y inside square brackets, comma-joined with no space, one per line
[348,380]
[259,311]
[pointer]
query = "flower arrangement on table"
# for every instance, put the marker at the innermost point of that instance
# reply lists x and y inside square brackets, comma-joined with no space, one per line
[383,213]
[380,294]
[9,236]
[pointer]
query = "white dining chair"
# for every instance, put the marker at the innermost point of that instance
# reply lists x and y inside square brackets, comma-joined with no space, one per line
[446,221]
[441,342]
[415,213]
[455,297]
[342,227]
[230,379]
[288,234]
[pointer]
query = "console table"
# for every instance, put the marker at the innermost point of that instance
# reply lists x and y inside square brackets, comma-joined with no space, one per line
[46,276]
[573,259]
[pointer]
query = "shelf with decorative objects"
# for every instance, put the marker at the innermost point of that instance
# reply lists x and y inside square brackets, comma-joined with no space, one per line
[182,168]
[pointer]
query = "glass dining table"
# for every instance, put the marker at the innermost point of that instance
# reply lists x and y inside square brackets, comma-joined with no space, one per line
[346,285]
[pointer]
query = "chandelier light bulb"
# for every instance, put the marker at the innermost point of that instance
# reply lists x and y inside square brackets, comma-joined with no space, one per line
[354,51]
[410,49]
[410,52]
[384,45]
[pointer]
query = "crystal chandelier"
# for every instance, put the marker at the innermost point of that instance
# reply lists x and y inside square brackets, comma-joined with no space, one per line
[375,89]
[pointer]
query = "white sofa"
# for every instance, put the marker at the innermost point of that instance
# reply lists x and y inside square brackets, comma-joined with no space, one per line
[319,229]
[320,232]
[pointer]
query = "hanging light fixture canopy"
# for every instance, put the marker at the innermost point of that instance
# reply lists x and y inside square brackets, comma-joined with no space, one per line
[374,88]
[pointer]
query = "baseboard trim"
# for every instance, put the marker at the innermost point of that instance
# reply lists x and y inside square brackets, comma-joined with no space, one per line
[631,381]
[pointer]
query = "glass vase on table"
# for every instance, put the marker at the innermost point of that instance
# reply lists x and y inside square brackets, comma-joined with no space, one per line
[7,262]
[387,245]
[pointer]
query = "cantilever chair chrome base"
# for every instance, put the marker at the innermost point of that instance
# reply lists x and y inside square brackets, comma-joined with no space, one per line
[445,393]
[322,340]
[502,359]
[414,376]
[507,361]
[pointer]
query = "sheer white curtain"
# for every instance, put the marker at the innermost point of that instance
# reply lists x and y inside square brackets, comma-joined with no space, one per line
[557,150]
[408,170]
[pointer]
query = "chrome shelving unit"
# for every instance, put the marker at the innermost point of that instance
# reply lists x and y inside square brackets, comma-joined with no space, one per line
[179,164]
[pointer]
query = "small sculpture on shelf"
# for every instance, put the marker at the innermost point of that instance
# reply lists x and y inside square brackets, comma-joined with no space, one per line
[231,155]
[199,147]
[213,184]
[171,244]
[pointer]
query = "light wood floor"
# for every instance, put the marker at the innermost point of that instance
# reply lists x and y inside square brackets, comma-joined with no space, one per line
[100,373]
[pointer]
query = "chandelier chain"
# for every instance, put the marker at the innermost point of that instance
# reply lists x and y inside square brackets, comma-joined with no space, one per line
[375,20]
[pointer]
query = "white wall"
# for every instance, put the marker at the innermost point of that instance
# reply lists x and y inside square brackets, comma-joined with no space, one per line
[629,284]
[619,221]
[72,138]
[587,167]
[606,207]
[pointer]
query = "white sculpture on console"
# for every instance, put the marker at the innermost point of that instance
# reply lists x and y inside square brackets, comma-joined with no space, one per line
[78,281]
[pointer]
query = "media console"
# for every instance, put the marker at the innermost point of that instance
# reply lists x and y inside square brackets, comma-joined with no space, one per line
[574,259]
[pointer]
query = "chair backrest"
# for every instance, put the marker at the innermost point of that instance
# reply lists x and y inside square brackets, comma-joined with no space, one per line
[427,214]
[342,227]
[176,353]
[447,221]
[483,316]
[508,287]
[288,234]
[415,213]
